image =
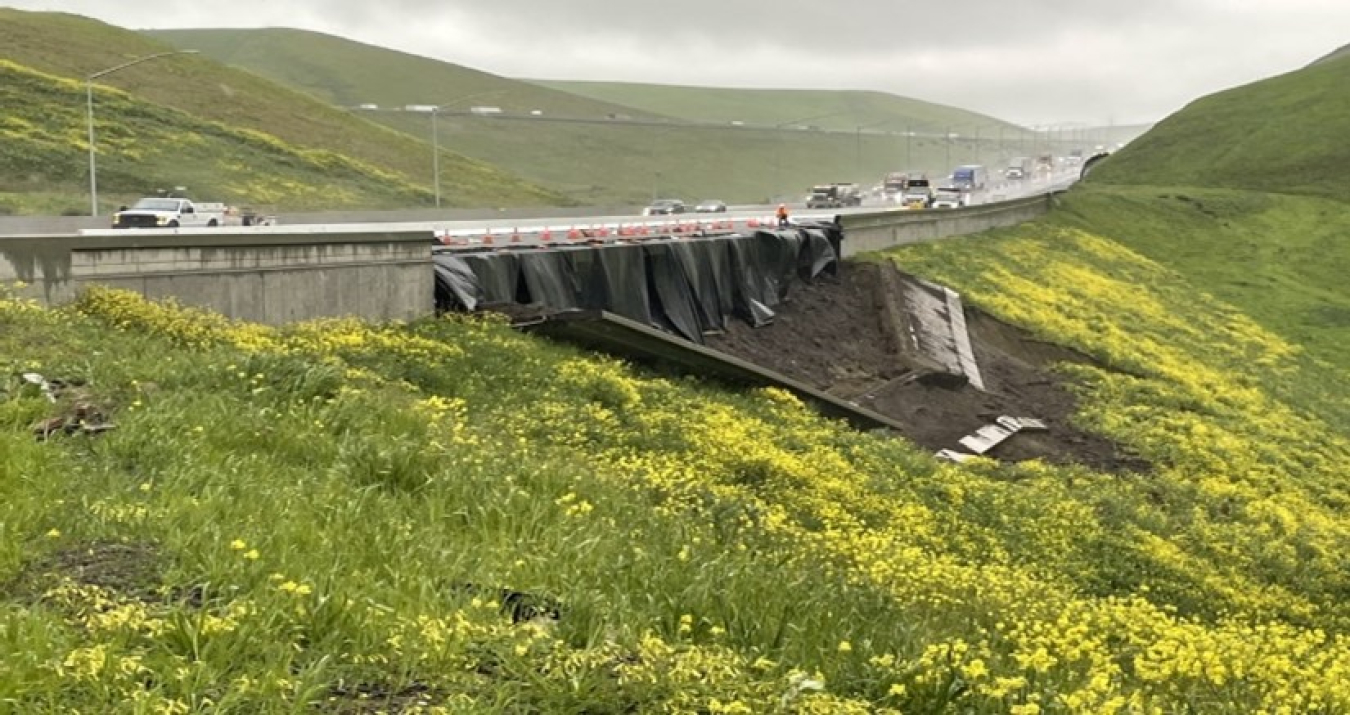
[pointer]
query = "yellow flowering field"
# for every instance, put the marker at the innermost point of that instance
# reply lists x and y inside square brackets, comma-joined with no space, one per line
[447,516]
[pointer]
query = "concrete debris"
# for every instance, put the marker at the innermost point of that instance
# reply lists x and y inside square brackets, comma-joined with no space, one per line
[986,438]
[952,455]
[33,378]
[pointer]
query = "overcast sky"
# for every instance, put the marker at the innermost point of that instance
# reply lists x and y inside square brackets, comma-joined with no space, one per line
[1028,61]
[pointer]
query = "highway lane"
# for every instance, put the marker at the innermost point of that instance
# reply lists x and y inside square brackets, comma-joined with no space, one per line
[480,233]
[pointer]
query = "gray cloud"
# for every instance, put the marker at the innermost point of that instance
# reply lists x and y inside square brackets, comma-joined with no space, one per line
[1035,61]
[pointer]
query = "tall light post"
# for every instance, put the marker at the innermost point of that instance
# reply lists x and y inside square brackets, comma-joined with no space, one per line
[89,111]
[436,137]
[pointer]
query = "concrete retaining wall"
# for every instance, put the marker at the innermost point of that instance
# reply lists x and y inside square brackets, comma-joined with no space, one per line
[269,278]
[27,225]
[879,231]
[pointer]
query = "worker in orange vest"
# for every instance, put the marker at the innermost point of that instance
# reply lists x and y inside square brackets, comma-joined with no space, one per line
[782,215]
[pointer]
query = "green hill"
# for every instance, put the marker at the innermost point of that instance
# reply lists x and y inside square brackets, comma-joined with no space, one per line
[1284,135]
[829,109]
[349,73]
[147,147]
[603,162]
[195,87]
[600,151]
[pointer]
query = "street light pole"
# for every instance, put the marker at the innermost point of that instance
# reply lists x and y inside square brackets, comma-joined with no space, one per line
[436,137]
[89,115]
[436,154]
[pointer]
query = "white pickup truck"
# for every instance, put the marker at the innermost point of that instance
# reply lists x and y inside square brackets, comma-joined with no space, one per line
[183,213]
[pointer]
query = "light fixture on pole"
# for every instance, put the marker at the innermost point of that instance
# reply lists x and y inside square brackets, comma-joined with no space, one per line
[436,137]
[89,112]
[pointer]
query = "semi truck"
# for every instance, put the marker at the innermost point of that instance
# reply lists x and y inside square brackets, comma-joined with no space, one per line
[971,177]
[833,196]
[1018,168]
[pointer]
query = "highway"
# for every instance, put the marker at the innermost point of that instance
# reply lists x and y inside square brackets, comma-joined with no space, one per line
[493,232]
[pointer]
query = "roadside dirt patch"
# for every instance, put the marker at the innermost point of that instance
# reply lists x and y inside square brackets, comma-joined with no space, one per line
[130,570]
[372,698]
[832,335]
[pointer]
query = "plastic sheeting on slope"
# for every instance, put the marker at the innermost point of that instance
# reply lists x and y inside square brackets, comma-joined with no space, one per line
[686,286]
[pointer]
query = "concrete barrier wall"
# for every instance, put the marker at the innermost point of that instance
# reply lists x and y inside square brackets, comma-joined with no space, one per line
[880,231]
[28,225]
[273,278]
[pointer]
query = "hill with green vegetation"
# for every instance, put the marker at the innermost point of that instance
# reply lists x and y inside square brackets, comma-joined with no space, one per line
[348,73]
[624,163]
[839,110]
[336,516]
[1282,135]
[189,93]
[600,151]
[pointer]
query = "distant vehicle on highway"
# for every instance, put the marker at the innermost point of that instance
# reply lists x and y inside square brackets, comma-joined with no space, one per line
[833,196]
[1018,168]
[971,177]
[665,207]
[950,197]
[918,194]
[711,206]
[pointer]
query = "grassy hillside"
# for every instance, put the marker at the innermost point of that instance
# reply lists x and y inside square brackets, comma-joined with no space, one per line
[574,149]
[1279,258]
[616,162]
[326,515]
[72,46]
[829,109]
[146,147]
[348,73]
[1284,135]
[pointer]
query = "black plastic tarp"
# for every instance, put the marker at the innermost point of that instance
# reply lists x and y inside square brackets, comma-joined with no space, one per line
[548,279]
[687,286]
[707,269]
[623,268]
[498,276]
[676,310]
[456,282]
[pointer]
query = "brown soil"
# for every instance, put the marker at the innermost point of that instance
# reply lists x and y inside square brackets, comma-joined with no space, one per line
[131,570]
[831,335]
[371,698]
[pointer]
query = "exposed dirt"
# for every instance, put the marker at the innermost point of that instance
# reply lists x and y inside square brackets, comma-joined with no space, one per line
[130,570]
[832,335]
[371,698]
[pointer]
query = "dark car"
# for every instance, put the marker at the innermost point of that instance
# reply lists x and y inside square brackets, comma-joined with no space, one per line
[711,206]
[665,207]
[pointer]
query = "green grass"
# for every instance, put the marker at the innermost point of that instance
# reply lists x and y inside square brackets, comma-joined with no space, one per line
[1278,258]
[1283,135]
[72,46]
